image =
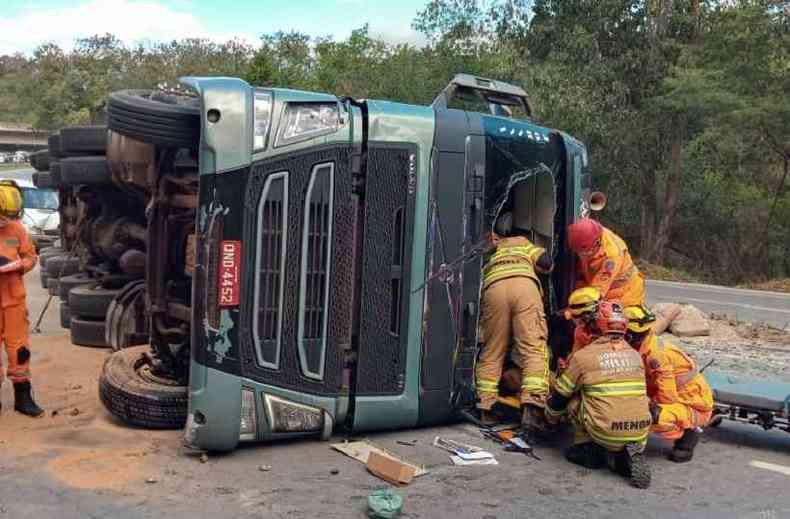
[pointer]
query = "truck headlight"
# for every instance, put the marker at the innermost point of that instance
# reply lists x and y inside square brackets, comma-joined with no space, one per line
[303,121]
[249,422]
[287,416]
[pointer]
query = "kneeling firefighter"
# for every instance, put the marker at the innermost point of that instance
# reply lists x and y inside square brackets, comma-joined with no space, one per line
[681,396]
[513,314]
[604,395]
[17,257]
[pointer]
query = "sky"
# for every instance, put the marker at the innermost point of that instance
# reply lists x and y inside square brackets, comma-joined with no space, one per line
[25,24]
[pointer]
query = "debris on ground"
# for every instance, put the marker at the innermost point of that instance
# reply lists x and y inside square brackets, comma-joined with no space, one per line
[265,468]
[204,458]
[464,454]
[390,468]
[151,481]
[361,450]
[691,322]
[384,504]
[75,412]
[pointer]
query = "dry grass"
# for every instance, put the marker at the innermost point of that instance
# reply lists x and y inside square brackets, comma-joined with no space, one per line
[652,271]
[774,285]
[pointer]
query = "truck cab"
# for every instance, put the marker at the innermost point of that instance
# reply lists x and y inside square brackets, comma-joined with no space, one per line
[340,244]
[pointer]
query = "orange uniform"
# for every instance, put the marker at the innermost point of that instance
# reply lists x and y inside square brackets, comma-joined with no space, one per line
[612,271]
[15,245]
[674,383]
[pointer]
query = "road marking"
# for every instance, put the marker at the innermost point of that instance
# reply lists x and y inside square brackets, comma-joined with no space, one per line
[717,288]
[782,469]
[730,303]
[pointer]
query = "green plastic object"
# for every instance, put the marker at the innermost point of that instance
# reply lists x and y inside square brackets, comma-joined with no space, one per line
[384,504]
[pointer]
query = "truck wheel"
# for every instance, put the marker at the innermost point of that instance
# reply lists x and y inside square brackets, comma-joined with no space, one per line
[155,117]
[65,316]
[85,170]
[133,393]
[91,301]
[48,252]
[73,281]
[127,324]
[53,285]
[40,160]
[54,174]
[54,146]
[63,265]
[86,332]
[83,139]
[42,180]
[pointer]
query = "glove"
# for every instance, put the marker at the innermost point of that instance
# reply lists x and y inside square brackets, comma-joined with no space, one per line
[11,266]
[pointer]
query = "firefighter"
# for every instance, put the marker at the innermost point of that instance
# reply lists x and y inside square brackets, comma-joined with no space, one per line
[17,257]
[603,393]
[604,263]
[513,316]
[581,303]
[681,396]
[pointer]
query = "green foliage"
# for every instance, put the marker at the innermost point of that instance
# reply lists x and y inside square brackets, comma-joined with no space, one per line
[681,103]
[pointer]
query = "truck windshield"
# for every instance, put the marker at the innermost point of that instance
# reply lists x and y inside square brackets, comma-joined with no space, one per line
[44,199]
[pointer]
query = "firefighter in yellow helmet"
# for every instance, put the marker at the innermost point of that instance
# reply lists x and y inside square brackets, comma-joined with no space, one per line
[17,257]
[679,393]
[512,315]
[604,395]
[582,302]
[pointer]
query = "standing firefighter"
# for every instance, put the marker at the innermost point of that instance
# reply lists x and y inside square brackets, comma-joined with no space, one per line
[17,257]
[513,316]
[604,394]
[681,396]
[604,263]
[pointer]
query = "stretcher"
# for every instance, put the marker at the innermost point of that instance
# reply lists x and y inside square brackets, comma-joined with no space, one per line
[754,401]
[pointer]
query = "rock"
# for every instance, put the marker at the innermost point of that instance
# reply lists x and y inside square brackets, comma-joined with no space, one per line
[691,322]
[265,468]
[204,458]
[151,481]
[75,412]
[334,472]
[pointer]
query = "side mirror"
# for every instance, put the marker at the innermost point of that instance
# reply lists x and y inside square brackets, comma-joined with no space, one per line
[597,201]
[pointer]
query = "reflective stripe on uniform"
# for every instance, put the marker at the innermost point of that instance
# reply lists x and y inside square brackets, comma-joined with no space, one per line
[535,384]
[485,385]
[512,261]
[621,388]
[615,442]
[564,386]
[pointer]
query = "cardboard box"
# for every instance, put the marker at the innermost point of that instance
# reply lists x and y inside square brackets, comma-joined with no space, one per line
[390,469]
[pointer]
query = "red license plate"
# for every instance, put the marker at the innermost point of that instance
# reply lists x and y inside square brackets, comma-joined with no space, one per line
[229,272]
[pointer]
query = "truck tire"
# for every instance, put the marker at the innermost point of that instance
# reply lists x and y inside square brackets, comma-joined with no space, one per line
[73,281]
[53,285]
[127,325]
[54,146]
[63,265]
[86,332]
[155,117]
[65,316]
[84,140]
[85,170]
[54,174]
[43,180]
[132,393]
[40,160]
[91,301]
[48,252]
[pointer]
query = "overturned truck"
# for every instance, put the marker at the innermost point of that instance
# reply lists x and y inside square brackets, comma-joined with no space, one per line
[314,262]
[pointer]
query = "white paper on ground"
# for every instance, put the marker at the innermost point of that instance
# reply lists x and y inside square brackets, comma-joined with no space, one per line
[471,456]
[485,461]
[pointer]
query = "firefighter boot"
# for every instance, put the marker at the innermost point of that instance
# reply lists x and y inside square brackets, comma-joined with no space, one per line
[533,423]
[631,464]
[589,455]
[23,400]
[684,447]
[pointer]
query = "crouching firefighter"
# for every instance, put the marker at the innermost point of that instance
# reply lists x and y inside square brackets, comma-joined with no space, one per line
[513,316]
[681,398]
[17,257]
[604,395]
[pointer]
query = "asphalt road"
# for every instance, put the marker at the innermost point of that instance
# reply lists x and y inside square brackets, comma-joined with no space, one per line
[18,174]
[772,308]
[78,465]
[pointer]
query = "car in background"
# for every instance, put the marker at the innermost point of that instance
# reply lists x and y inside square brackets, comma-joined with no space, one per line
[40,216]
